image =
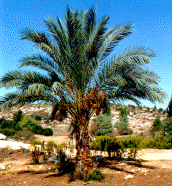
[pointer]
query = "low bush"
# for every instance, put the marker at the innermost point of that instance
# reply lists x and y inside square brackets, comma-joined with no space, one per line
[158,142]
[37,129]
[50,148]
[7,124]
[117,147]
[100,143]
[47,132]
[23,123]
[130,143]
[8,131]
[24,135]
[97,175]
[36,152]
[27,123]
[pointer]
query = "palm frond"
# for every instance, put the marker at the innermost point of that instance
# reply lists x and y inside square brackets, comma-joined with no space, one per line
[43,63]
[22,79]
[112,38]
[89,22]
[28,96]
[96,38]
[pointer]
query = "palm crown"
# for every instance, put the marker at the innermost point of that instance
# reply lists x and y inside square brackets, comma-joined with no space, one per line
[76,60]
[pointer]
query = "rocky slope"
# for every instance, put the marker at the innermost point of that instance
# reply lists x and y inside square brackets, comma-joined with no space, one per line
[140,119]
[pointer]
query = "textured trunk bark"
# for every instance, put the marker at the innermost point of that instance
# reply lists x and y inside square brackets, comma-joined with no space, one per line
[86,163]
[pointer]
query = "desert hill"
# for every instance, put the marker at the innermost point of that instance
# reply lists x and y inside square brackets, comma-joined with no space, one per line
[140,118]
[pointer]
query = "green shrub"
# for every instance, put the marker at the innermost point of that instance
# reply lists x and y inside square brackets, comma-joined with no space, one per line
[50,147]
[168,126]
[38,117]
[122,128]
[102,125]
[7,124]
[27,123]
[36,152]
[37,129]
[158,142]
[97,175]
[47,132]
[113,146]
[155,143]
[106,143]
[168,143]
[17,116]
[132,144]
[117,147]
[8,131]
[100,143]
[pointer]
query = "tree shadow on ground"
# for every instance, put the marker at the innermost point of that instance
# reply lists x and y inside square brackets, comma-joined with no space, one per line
[116,163]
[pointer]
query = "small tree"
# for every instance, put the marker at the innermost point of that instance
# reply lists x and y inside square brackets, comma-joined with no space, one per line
[122,125]
[17,116]
[169,109]
[156,127]
[167,123]
[102,126]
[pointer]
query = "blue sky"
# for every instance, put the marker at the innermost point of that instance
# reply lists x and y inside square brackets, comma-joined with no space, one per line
[152,20]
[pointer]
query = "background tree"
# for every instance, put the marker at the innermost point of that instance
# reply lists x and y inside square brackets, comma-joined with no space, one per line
[169,109]
[157,127]
[167,124]
[81,76]
[102,125]
[122,124]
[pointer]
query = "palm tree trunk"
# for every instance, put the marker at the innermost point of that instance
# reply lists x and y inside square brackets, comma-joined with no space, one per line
[86,161]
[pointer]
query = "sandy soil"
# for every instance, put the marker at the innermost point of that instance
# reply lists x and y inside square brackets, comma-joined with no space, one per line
[16,168]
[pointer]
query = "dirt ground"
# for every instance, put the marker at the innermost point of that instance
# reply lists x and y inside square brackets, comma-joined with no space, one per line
[16,168]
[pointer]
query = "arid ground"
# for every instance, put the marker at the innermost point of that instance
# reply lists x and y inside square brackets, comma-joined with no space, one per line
[16,168]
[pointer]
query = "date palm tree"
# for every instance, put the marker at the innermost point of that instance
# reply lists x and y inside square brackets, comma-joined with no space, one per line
[81,75]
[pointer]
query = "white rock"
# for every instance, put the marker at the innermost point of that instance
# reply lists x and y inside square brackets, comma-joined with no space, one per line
[2,166]
[2,137]
[129,176]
